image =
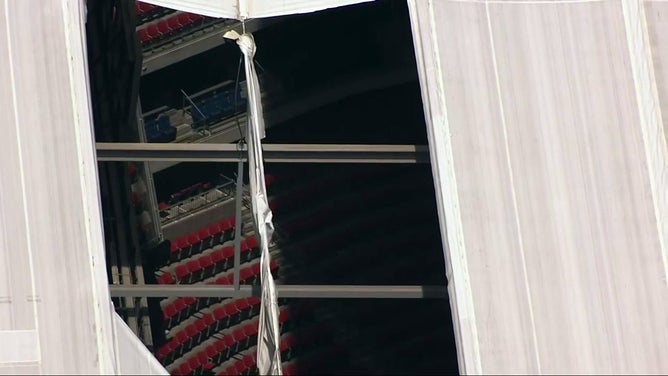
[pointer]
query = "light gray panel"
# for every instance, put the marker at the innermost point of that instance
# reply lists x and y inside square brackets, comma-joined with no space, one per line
[656,13]
[489,228]
[50,202]
[17,310]
[549,183]
[133,358]
[581,185]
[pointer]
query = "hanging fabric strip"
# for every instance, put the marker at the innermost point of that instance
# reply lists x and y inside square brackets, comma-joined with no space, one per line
[268,355]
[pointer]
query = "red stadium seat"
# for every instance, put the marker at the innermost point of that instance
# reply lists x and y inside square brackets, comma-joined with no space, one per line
[193,334]
[190,301]
[184,20]
[232,313]
[204,360]
[202,328]
[144,7]
[163,28]
[173,23]
[174,252]
[208,268]
[185,369]
[231,370]
[194,17]
[195,270]
[221,317]
[240,367]
[249,362]
[255,268]
[162,352]
[254,304]
[180,304]
[166,279]
[194,364]
[153,31]
[218,261]
[243,307]
[224,280]
[144,38]
[169,311]
[182,274]
[210,323]
[183,340]
[213,354]
[284,316]
[229,343]
[195,244]
[184,247]
[245,252]
[205,238]
[172,347]
[222,350]
[227,228]
[246,276]
[228,255]
[251,330]
[216,234]
[240,339]
[251,241]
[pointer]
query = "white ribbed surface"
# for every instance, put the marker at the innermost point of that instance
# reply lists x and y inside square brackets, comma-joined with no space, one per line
[55,314]
[550,169]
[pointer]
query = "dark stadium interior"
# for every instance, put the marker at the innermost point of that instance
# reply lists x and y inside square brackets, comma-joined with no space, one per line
[340,76]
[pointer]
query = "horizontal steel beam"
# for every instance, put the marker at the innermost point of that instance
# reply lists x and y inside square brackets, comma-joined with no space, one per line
[284,291]
[273,153]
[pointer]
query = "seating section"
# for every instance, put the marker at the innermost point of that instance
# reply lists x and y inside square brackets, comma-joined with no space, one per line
[147,12]
[196,196]
[203,333]
[211,107]
[159,26]
[353,237]
[217,336]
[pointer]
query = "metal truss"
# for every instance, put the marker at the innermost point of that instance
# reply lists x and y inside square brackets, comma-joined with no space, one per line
[273,153]
[284,291]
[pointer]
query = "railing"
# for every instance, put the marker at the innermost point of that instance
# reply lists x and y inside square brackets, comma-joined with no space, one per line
[199,202]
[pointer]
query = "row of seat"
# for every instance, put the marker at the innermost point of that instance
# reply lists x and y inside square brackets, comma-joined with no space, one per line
[233,328]
[168,27]
[206,237]
[160,130]
[208,264]
[143,8]
[216,107]
[200,269]
[147,12]
[182,308]
[246,365]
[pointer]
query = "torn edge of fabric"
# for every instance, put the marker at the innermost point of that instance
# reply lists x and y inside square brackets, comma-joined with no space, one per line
[268,354]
